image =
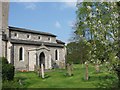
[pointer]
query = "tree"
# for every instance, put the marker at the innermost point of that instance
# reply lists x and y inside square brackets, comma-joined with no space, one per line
[72,53]
[101,20]
[78,52]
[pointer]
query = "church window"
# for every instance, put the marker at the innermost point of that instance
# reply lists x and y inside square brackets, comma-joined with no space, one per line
[28,36]
[15,34]
[39,37]
[56,54]
[49,38]
[21,53]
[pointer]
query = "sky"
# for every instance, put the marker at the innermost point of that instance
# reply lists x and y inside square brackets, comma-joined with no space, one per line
[54,17]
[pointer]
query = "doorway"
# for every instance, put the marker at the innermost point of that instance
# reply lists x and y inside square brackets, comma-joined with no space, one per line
[42,59]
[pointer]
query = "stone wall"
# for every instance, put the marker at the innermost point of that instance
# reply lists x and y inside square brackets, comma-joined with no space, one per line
[4,10]
[33,37]
[21,64]
[13,49]
[49,56]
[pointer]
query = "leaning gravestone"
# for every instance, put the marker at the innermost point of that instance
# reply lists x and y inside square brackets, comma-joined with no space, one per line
[42,71]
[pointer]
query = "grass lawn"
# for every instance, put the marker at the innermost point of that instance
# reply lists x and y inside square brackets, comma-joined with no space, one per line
[58,79]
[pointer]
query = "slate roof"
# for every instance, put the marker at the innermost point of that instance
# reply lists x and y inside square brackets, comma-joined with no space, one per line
[60,42]
[28,42]
[11,28]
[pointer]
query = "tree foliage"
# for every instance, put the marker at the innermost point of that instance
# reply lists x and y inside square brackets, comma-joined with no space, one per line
[78,52]
[99,22]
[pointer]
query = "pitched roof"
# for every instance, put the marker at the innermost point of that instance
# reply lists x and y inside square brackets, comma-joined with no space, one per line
[11,28]
[60,42]
[27,42]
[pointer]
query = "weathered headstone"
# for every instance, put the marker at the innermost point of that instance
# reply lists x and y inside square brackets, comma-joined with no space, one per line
[42,71]
[97,68]
[38,70]
[86,72]
[69,69]
[62,64]
[20,82]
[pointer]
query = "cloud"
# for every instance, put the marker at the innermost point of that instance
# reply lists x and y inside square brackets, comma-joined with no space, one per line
[31,6]
[57,24]
[70,4]
[28,5]
[71,23]
[66,5]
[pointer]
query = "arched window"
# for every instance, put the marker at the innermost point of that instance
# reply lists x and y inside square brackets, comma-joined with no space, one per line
[15,34]
[49,39]
[56,55]
[21,53]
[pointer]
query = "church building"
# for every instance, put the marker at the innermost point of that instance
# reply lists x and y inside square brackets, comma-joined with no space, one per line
[26,48]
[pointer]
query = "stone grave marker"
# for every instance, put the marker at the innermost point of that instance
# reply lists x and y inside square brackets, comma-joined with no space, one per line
[86,72]
[42,71]
[69,69]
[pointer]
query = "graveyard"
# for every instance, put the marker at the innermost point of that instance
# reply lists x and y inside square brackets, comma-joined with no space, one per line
[89,58]
[58,78]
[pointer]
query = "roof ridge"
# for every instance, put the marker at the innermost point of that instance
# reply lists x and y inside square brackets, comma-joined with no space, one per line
[30,30]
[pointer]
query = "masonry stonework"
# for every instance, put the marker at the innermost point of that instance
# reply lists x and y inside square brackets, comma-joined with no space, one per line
[30,56]
[25,48]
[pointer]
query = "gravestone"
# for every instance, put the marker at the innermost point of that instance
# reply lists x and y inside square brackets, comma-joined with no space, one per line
[20,82]
[97,68]
[69,69]
[42,71]
[86,72]
[62,64]
[38,71]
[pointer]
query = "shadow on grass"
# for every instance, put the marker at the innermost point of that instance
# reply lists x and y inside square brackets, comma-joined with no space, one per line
[47,76]
[107,84]
[20,78]
[101,80]
[106,81]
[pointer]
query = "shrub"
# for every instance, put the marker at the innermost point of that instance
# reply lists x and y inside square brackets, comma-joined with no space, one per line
[7,70]
[4,60]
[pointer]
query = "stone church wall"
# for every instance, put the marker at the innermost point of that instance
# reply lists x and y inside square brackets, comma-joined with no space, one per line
[33,37]
[61,55]
[23,64]
[11,50]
